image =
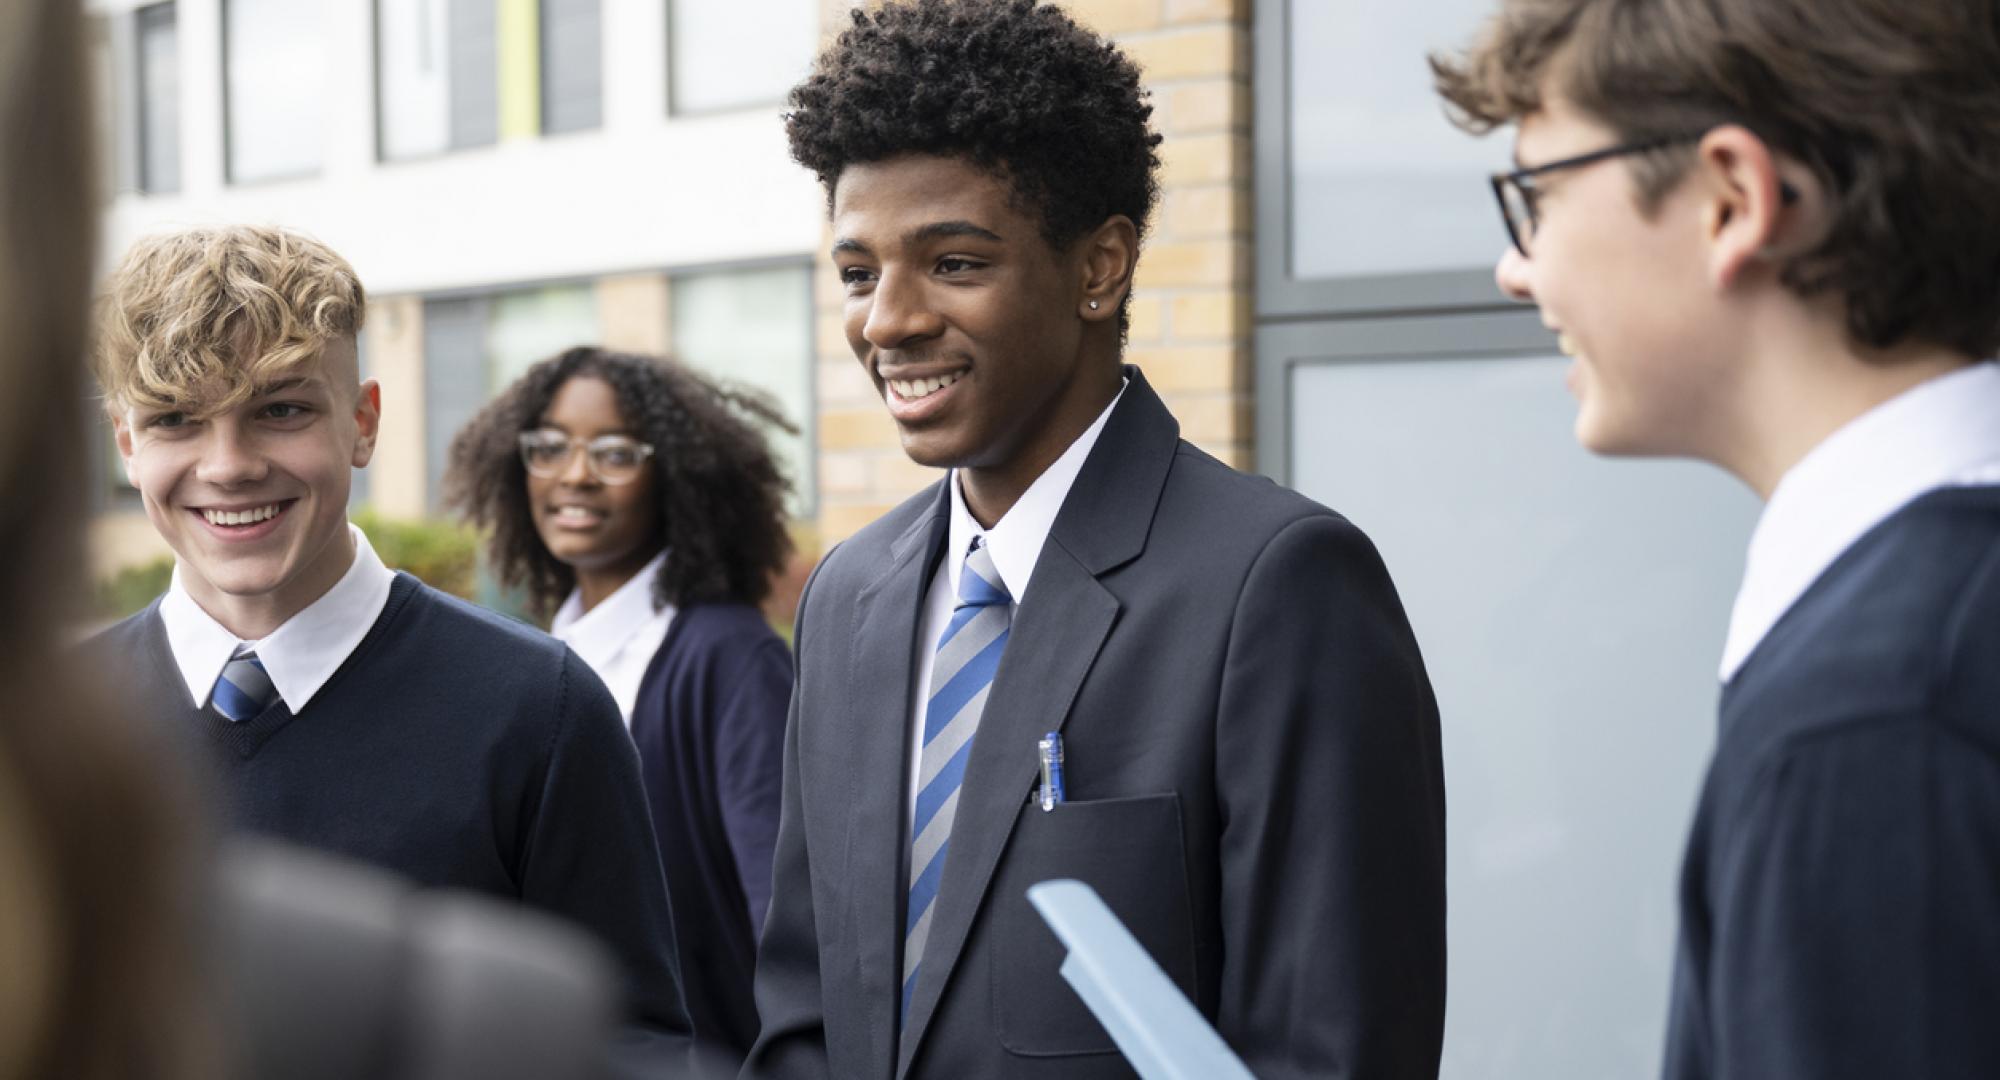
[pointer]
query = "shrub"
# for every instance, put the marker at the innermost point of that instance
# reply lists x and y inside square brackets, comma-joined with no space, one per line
[131,588]
[443,554]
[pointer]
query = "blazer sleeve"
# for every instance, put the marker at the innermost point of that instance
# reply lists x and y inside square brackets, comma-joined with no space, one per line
[750,750]
[591,857]
[791,1040]
[1332,797]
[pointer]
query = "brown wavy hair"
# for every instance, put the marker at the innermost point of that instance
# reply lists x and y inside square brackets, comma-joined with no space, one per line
[1893,104]
[98,857]
[720,495]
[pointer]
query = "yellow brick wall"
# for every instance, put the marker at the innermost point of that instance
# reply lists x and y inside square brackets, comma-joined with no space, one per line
[1191,308]
[397,479]
[635,313]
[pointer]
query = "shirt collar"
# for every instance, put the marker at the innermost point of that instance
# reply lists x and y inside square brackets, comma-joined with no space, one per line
[1941,433]
[303,652]
[1016,540]
[598,634]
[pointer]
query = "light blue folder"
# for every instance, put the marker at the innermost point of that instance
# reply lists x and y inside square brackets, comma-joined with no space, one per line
[1156,1026]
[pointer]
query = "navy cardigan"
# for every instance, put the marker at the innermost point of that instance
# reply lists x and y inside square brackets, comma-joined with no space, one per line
[709,722]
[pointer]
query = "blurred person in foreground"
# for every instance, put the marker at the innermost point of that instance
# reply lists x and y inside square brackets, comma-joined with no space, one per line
[1766,231]
[1251,776]
[99,978]
[341,705]
[638,503]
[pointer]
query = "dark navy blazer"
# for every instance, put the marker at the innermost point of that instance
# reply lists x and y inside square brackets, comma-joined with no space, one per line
[1840,901]
[1254,787]
[709,722]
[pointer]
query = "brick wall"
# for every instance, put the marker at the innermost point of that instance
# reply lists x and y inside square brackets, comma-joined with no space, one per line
[1191,309]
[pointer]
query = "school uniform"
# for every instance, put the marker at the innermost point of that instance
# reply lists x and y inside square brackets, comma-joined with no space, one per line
[1842,877]
[704,690]
[409,729]
[1252,778]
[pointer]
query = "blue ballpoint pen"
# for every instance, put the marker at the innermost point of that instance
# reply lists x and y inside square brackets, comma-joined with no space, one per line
[1052,770]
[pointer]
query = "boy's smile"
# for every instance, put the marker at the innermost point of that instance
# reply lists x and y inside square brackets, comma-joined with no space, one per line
[253,499]
[244,523]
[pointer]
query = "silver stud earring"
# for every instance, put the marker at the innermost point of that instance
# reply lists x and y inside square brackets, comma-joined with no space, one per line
[1093,305]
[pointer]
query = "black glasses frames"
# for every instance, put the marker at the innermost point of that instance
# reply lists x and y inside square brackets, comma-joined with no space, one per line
[1515,191]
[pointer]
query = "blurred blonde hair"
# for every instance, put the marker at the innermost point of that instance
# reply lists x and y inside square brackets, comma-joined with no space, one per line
[97,860]
[202,317]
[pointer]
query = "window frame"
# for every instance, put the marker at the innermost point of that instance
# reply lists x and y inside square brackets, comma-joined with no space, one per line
[1282,294]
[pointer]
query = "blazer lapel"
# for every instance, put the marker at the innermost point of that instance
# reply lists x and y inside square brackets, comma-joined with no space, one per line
[1056,635]
[877,722]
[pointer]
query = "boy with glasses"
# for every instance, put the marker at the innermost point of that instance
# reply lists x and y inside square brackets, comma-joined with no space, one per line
[344,706]
[1766,232]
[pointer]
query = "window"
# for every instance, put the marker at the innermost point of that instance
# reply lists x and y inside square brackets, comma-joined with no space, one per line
[159,112]
[754,327]
[455,74]
[531,325]
[727,54]
[275,87]
[1570,611]
[572,66]
[1379,203]
[437,76]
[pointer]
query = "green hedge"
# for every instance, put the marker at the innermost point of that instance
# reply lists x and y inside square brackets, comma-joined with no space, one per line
[442,553]
[131,588]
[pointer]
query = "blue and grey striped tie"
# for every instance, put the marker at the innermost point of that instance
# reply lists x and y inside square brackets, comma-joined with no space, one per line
[968,655]
[244,690]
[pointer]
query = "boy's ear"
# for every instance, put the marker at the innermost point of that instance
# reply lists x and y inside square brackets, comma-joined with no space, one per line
[1754,212]
[121,433]
[367,421]
[1110,253]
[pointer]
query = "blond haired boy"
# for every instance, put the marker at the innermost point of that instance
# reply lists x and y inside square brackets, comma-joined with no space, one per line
[345,706]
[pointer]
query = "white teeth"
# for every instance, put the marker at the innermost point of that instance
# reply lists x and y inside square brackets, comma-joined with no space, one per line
[577,513]
[1567,344]
[240,517]
[913,389]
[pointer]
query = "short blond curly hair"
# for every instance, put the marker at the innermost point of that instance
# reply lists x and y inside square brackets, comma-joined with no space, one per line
[203,317]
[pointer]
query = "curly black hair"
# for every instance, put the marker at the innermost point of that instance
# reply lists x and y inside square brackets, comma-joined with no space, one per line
[1009,85]
[720,501]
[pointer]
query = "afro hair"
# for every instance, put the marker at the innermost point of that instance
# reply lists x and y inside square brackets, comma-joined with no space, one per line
[1010,85]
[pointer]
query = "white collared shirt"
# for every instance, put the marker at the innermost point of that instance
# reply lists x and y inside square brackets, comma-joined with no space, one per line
[619,636]
[1938,434]
[1016,543]
[302,653]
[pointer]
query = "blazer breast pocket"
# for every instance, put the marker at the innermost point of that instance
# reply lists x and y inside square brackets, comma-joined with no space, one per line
[1132,852]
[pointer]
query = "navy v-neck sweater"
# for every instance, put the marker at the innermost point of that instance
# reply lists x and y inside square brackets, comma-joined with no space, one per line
[454,747]
[1840,899]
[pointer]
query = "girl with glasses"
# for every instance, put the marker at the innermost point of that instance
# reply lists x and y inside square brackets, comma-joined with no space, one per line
[638,504]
